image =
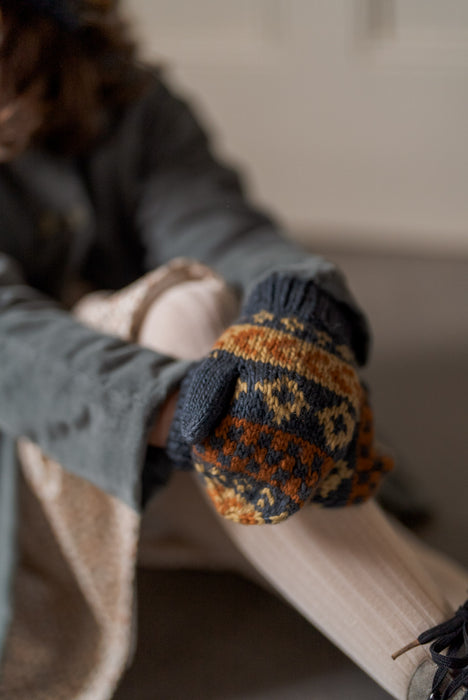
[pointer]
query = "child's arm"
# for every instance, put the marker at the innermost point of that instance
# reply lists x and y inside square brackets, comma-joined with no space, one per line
[87,399]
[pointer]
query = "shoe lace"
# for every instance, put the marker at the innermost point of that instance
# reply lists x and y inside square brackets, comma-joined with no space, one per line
[450,637]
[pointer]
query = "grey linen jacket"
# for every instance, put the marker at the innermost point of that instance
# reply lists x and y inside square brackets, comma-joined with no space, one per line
[149,191]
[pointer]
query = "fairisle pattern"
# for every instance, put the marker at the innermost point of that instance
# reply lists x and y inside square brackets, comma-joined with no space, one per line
[355,479]
[278,414]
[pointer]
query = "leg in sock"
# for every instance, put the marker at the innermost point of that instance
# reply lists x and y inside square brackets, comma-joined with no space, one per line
[365,583]
[356,579]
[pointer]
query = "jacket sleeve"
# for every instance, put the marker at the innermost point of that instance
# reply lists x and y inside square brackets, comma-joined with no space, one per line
[86,398]
[191,204]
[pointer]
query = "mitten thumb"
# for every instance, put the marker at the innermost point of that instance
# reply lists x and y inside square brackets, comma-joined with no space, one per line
[208,396]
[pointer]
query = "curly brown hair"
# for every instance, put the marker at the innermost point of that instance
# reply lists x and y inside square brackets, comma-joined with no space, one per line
[89,75]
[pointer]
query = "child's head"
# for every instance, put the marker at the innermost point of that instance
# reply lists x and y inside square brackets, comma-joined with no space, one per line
[65,68]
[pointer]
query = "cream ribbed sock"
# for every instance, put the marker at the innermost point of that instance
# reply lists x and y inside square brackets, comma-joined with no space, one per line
[368,585]
[355,578]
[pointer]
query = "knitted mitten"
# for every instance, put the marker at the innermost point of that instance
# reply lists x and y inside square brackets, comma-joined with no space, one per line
[276,406]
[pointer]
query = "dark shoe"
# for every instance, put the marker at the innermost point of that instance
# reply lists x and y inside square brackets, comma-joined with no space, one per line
[420,687]
[446,676]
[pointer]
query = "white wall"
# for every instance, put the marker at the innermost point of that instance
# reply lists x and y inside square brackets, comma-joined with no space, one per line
[351,115]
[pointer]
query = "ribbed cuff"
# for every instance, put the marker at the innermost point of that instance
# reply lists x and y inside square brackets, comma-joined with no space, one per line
[285,295]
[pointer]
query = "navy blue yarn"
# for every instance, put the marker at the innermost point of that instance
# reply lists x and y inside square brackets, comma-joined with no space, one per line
[452,636]
[285,295]
[203,409]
